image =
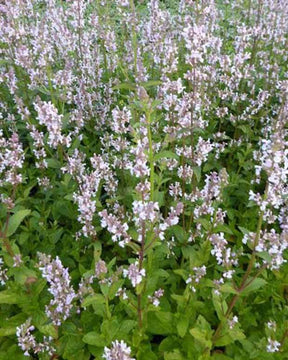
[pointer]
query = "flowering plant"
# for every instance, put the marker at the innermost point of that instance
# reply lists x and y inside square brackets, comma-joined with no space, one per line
[143,179]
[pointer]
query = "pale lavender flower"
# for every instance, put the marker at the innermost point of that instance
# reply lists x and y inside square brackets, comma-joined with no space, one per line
[48,116]
[121,292]
[118,351]
[17,259]
[11,159]
[232,322]
[134,274]
[3,273]
[145,211]
[58,278]
[27,342]
[155,299]
[100,268]
[194,279]
[273,345]
[272,325]
[115,227]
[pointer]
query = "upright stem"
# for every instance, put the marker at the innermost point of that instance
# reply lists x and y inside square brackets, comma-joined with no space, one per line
[79,31]
[244,282]
[134,35]
[151,157]
[141,258]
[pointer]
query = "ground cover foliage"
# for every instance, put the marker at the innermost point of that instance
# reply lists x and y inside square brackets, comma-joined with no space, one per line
[143,179]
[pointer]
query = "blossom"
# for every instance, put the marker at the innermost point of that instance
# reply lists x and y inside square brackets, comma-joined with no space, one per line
[156,296]
[27,342]
[3,273]
[134,274]
[118,351]
[273,345]
[58,278]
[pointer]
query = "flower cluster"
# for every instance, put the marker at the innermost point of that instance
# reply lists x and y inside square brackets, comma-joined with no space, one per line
[58,278]
[3,273]
[194,279]
[28,342]
[134,274]
[11,159]
[118,351]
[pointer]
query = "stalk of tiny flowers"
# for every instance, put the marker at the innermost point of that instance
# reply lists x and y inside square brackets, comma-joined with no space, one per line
[141,258]
[134,35]
[79,30]
[151,157]
[244,282]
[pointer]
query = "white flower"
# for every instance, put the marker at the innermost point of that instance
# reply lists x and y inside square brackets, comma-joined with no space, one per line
[134,274]
[273,345]
[119,351]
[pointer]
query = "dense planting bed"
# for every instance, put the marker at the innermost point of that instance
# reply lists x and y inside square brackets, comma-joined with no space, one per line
[143,179]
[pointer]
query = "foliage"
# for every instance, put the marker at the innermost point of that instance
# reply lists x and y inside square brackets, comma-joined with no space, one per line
[143,180]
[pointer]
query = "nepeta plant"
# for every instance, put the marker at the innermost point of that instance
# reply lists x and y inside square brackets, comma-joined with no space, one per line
[143,179]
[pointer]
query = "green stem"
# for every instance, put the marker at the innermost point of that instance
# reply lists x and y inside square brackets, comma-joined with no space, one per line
[108,313]
[244,282]
[151,157]
[134,35]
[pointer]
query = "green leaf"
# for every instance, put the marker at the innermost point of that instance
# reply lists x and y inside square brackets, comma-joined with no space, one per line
[182,325]
[220,306]
[223,228]
[228,288]
[254,285]
[151,83]
[160,322]
[126,326]
[22,273]
[95,299]
[53,163]
[197,172]
[202,332]
[165,154]
[201,337]
[220,357]
[94,338]
[231,336]
[125,86]
[16,220]
[7,297]
[8,325]
[145,353]
[244,230]
[173,355]
[48,330]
